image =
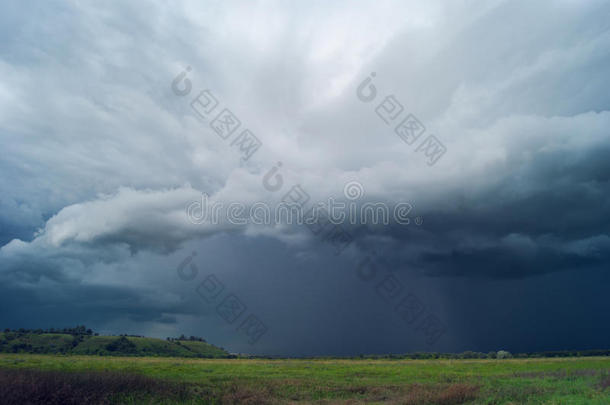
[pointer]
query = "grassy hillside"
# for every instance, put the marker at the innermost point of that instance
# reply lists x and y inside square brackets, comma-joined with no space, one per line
[12,342]
[59,343]
[256,381]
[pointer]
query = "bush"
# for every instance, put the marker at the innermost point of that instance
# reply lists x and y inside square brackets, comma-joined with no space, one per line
[122,345]
[503,354]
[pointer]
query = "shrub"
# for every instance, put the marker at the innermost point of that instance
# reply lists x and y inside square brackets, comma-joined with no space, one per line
[122,345]
[503,354]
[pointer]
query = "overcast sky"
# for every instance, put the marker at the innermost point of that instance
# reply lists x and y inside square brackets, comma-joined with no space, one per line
[507,245]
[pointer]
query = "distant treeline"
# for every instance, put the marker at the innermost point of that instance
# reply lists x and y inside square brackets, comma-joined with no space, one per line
[501,354]
[190,338]
[78,330]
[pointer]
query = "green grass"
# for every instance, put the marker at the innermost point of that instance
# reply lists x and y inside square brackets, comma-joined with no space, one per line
[514,381]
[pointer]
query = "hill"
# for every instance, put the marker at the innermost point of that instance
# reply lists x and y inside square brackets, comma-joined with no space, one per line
[68,343]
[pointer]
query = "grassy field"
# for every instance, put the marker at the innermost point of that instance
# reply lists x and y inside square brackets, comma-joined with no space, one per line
[200,381]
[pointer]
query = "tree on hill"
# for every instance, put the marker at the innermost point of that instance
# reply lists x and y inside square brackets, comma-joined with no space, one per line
[76,331]
[121,345]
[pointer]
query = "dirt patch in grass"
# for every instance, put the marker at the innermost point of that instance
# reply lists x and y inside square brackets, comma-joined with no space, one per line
[453,394]
[604,382]
[410,394]
[29,387]
[521,394]
[407,394]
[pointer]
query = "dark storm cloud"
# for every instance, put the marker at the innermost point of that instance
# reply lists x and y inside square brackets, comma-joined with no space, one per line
[552,215]
[100,159]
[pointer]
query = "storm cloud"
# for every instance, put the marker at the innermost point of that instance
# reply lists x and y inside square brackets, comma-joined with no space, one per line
[509,230]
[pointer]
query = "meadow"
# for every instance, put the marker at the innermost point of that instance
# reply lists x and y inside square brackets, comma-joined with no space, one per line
[158,380]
